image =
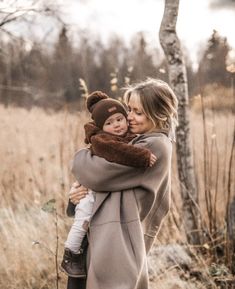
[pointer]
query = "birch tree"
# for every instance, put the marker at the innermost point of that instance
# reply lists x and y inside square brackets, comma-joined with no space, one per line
[178,81]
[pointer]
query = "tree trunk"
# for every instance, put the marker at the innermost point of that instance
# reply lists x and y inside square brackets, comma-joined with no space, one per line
[178,81]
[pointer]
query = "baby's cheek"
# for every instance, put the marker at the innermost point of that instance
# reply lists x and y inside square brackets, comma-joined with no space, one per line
[126,126]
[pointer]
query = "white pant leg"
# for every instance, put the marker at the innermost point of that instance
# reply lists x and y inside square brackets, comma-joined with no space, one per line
[83,213]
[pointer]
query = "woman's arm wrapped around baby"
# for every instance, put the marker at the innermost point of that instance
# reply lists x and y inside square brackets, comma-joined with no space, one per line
[102,175]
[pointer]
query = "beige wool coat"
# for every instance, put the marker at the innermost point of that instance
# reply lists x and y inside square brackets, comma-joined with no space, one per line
[129,208]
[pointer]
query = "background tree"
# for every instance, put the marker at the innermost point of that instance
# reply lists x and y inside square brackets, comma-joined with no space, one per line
[178,81]
[142,60]
[23,64]
[62,77]
[109,67]
[212,66]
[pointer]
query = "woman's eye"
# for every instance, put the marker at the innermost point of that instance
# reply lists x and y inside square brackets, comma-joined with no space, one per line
[138,113]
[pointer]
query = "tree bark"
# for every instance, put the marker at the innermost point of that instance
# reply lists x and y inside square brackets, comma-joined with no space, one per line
[178,81]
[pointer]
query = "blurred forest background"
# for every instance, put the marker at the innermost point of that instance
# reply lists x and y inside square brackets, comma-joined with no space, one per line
[49,77]
[42,89]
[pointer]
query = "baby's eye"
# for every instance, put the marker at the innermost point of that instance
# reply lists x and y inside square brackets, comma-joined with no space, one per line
[107,123]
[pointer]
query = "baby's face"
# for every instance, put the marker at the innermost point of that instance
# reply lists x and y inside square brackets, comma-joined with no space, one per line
[116,124]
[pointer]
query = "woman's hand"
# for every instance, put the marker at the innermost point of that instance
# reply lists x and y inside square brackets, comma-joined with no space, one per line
[152,160]
[77,192]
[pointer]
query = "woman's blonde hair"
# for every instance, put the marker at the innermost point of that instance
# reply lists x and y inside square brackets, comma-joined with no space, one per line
[158,100]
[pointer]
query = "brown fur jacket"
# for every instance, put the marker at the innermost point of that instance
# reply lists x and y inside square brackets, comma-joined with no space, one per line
[116,148]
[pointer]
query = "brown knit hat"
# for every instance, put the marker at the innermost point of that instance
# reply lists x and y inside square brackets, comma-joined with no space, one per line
[102,107]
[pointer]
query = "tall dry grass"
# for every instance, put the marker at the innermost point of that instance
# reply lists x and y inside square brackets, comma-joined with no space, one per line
[36,149]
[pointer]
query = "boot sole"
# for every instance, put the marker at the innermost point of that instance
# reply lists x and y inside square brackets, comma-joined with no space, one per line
[71,275]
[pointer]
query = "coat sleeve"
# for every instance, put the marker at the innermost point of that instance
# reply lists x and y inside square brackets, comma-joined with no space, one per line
[114,150]
[102,176]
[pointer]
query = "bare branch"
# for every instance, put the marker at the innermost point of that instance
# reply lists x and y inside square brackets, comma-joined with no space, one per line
[14,12]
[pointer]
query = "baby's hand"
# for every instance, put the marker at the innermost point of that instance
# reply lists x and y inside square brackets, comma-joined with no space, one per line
[152,160]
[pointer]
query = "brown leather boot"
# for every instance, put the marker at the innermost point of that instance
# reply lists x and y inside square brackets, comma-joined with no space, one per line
[74,265]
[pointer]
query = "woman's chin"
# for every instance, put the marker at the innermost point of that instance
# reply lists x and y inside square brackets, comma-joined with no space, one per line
[134,129]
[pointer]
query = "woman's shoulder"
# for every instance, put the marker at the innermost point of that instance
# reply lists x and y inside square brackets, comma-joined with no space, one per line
[155,141]
[152,138]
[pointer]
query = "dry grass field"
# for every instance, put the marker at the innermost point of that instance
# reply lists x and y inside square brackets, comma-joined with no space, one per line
[36,149]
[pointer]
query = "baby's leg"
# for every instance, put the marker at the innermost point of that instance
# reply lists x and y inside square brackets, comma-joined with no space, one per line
[83,212]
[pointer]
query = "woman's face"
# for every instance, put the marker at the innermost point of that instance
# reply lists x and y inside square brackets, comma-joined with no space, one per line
[138,121]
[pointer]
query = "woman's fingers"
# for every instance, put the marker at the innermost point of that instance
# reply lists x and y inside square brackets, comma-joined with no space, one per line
[77,192]
[153,159]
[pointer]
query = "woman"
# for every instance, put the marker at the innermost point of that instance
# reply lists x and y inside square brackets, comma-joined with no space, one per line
[130,203]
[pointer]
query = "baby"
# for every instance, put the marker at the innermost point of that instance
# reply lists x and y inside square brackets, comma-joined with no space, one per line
[109,138]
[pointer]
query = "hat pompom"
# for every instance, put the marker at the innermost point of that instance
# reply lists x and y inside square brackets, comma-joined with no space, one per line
[94,98]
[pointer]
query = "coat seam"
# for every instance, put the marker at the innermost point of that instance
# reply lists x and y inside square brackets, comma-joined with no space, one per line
[96,225]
